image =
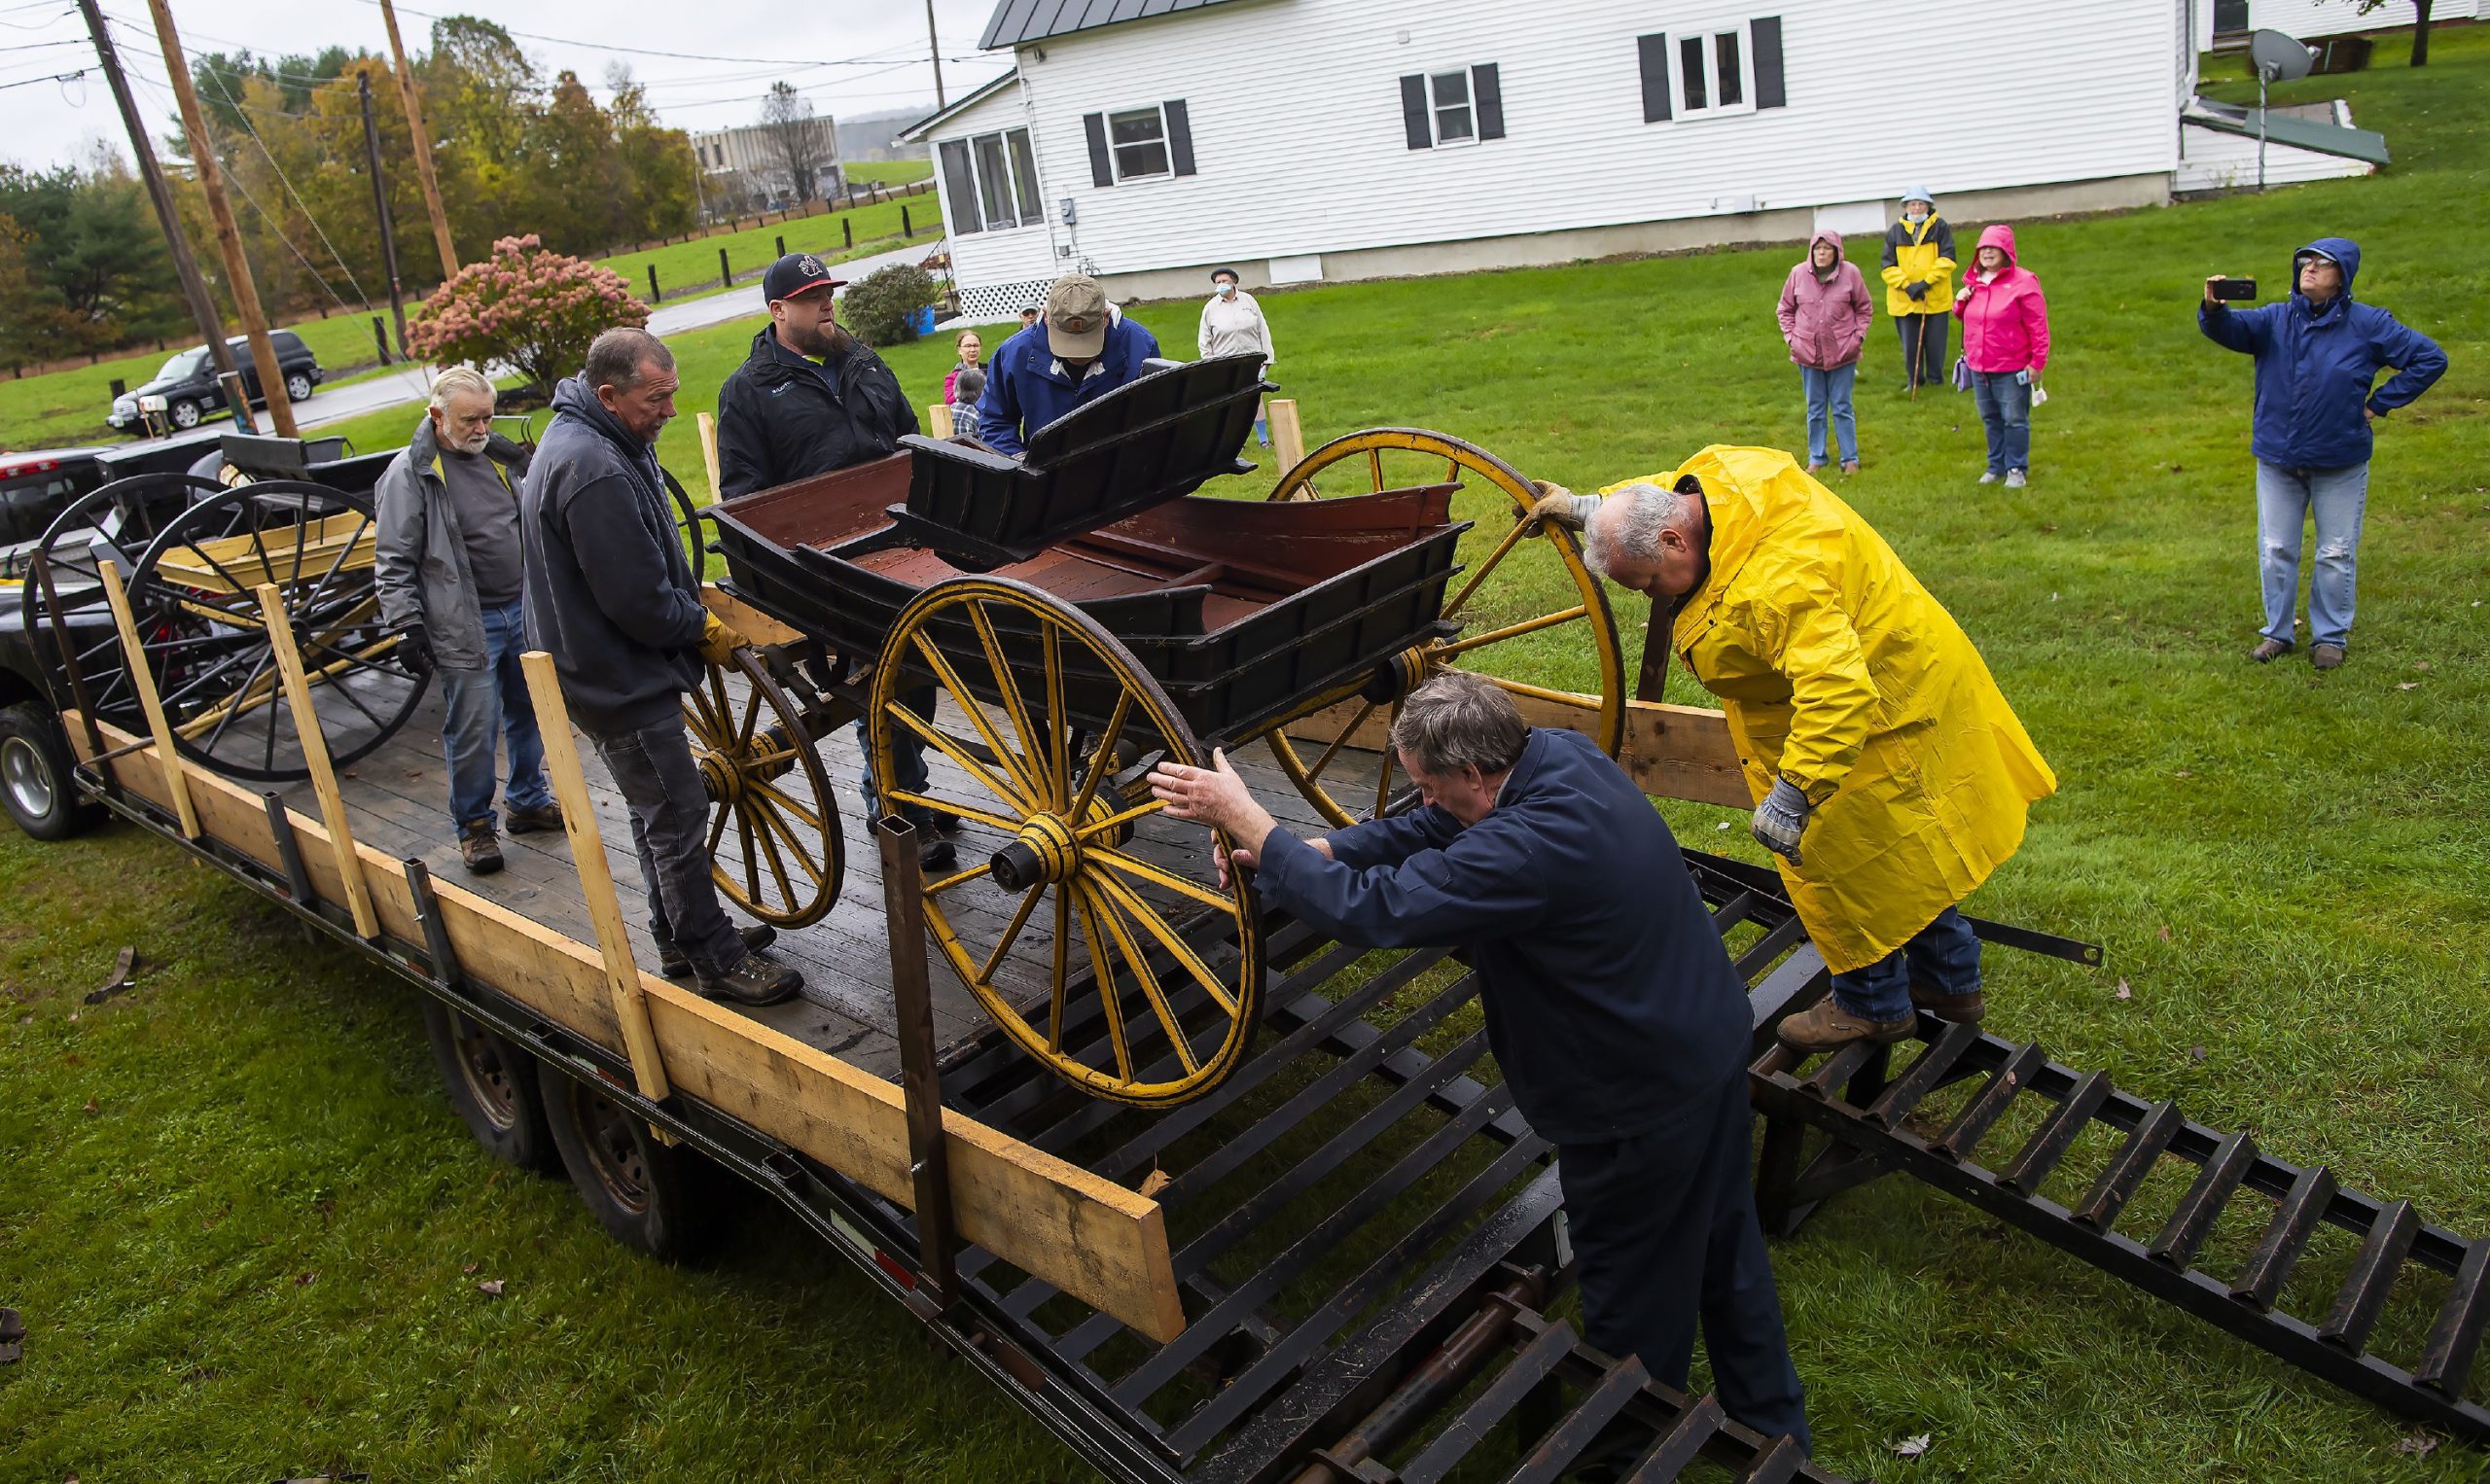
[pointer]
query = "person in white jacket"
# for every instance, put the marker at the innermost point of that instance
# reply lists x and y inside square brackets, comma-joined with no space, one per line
[1232,325]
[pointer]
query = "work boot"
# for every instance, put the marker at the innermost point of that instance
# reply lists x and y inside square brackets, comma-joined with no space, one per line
[933,850]
[1953,1010]
[546,816]
[2268,651]
[2326,657]
[753,980]
[675,964]
[478,850]
[1827,1027]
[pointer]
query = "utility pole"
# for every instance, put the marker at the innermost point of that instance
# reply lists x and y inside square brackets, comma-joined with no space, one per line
[185,266]
[934,39]
[380,211]
[228,238]
[423,146]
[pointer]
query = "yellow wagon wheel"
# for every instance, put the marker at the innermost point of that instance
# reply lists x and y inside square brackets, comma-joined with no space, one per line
[1049,727]
[1528,597]
[774,843]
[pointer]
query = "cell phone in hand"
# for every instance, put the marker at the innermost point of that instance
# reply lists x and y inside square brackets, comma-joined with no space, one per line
[2234,288]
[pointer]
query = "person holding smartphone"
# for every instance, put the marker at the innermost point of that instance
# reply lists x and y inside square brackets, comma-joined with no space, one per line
[2006,342]
[2317,354]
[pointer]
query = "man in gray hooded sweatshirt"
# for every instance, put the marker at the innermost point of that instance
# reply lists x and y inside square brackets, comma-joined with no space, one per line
[611,596]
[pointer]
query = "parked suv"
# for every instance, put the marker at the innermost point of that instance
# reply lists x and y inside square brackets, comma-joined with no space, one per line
[188,382]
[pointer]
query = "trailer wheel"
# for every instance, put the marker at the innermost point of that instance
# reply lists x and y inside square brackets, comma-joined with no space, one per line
[659,1199]
[493,1085]
[35,785]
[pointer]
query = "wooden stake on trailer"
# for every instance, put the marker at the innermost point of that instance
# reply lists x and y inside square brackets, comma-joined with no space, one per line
[228,238]
[596,879]
[707,423]
[315,757]
[447,249]
[1288,435]
[177,781]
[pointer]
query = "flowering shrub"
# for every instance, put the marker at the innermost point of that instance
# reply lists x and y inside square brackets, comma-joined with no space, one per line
[523,307]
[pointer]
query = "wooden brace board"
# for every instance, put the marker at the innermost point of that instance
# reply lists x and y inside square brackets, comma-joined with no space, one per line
[1671,750]
[1102,1244]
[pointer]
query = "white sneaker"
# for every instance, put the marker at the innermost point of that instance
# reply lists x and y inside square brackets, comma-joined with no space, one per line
[1988,479]
[2014,478]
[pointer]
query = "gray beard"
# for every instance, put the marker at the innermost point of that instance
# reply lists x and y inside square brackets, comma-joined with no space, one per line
[477,443]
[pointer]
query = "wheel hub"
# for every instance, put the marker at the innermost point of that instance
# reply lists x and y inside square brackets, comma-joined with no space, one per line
[22,772]
[1044,852]
[1400,675]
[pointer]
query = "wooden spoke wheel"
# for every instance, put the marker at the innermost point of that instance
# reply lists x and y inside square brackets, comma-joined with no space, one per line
[775,849]
[1526,601]
[193,594]
[1081,928]
[116,523]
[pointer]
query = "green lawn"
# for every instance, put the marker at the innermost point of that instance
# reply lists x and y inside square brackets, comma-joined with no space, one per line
[889,172]
[693,264]
[239,1216]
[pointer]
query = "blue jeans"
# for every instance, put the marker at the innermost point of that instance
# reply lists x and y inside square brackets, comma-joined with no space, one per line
[1942,958]
[1829,392]
[2286,499]
[908,752]
[2006,412]
[481,703]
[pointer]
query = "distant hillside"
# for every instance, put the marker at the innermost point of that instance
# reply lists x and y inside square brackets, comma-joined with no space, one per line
[869,136]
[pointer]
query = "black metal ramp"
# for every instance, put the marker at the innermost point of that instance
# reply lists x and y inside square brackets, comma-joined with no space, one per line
[1368,1239]
[1876,1120]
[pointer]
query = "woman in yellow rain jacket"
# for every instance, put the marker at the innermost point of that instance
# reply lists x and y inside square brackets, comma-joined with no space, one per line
[1886,769]
[1919,287]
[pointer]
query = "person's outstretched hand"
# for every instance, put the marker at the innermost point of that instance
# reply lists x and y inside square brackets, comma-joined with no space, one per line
[1216,797]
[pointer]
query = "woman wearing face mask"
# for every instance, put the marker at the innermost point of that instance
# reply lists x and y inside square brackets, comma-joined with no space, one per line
[2006,342]
[970,349]
[1232,325]
[1919,285]
[1825,310]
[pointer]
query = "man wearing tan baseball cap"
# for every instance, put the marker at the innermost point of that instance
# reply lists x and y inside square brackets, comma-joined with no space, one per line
[1079,351]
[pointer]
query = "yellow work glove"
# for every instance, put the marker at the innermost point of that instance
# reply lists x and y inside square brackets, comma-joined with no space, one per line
[1558,504]
[719,641]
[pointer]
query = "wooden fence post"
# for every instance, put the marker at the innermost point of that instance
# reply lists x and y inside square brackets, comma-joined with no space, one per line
[596,879]
[1288,438]
[847,230]
[177,778]
[654,295]
[315,756]
[726,274]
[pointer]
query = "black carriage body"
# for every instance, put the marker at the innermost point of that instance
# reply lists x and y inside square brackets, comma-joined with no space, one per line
[1244,612]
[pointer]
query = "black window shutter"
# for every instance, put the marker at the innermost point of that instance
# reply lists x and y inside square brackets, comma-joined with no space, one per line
[1413,111]
[1180,136]
[1769,90]
[1653,52]
[1487,91]
[1102,170]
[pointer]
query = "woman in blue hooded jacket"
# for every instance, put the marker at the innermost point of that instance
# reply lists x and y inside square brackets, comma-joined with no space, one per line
[2316,353]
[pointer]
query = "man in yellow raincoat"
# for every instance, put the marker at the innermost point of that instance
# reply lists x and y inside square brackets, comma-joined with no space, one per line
[1888,772]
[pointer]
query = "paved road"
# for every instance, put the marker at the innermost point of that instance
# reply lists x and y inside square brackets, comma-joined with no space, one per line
[400,387]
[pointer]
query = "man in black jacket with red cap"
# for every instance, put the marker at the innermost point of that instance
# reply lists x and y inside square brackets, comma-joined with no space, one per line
[812,398]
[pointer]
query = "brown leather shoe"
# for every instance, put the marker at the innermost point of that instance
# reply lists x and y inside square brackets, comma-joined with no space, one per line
[2326,657]
[546,816]
[1953,1010]
[675,964]
[754,981]
[2268,651]
[478,851]
[1826,1026]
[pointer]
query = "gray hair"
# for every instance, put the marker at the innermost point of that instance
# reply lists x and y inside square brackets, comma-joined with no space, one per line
[457,381]
[615,358]
[1460,721]
[1641,512]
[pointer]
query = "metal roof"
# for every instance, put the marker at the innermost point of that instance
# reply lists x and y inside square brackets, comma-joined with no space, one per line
[1018,21]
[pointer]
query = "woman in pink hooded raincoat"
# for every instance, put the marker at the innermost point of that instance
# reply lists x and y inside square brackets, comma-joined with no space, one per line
[1825,310]
[2006,342]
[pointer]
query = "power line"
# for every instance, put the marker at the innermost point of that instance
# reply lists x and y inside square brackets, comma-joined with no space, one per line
[872,60]
[304,206]
[58,77]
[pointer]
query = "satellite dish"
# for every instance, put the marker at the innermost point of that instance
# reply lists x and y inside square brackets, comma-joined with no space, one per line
[2278,58]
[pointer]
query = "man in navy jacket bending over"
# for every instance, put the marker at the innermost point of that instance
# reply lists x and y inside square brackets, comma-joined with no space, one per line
[1609,1003]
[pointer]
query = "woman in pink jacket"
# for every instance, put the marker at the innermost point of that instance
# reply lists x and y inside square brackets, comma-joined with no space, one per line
[2006,342]
[1825,310]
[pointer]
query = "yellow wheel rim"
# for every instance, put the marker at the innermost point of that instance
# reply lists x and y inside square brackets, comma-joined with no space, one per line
[1116,968]
[1519,591]
[774,844]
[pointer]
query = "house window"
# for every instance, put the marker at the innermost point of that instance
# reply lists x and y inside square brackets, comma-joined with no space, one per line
[990,181]
[1719,69]
[1465,106]
[1137,138]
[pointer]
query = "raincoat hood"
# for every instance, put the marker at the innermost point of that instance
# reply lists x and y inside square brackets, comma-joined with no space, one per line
[2000,236]
[1832,239]
[2346,255]
[1920,193]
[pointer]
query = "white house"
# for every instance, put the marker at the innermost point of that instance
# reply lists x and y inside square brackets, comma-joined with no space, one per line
[1150,141]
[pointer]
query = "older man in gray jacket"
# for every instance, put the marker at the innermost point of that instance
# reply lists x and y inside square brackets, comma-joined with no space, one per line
[450,585]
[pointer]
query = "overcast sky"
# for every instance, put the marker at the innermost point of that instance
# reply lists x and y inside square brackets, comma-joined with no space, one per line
[706,62]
